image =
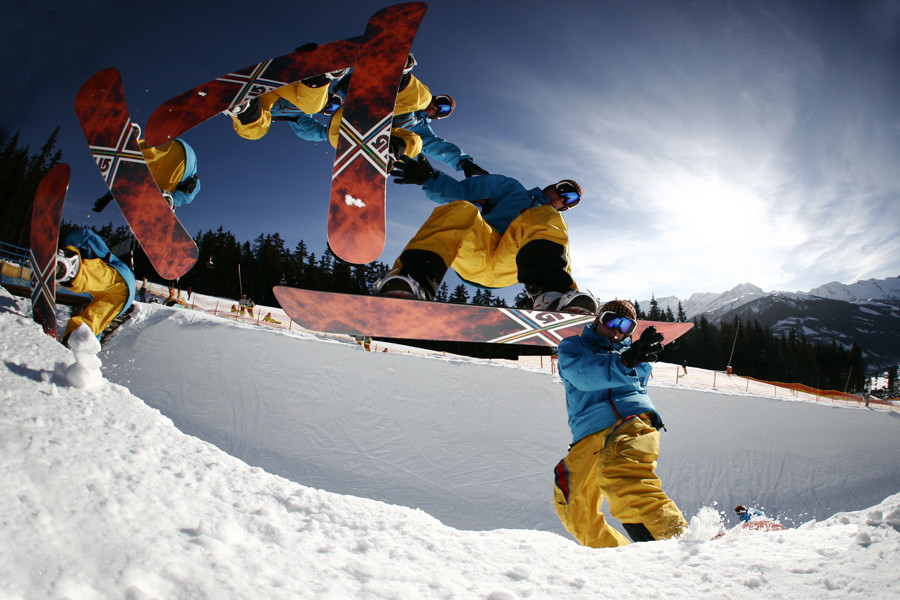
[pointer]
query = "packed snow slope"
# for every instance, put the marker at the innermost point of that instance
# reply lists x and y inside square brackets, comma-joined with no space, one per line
[474,443]
[104,497]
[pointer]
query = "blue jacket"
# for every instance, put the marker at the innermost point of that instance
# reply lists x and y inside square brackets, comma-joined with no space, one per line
[92,245]
[302,124]
[432,146]
[180,197]
[593,374]
[501,198]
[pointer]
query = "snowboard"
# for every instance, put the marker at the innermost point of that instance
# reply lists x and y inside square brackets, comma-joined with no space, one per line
[112,137]
[115,324]
[356,216]
[191,108]
[46,213]
[356,211]
[379,316]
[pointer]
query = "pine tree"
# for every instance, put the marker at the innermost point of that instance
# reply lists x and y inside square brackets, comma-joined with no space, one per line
[681,317]
[655,314]
[20,175]
[641,315]
[460,295]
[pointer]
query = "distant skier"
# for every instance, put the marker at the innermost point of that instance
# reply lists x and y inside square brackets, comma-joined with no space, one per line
[174,168]
[615,431]
[748,514]
[493,232]
[87,265]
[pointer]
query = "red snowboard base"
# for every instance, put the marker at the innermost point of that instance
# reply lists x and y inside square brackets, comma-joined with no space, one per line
[377,316]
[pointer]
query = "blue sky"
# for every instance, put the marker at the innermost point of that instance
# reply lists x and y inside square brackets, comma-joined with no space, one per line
[717,142]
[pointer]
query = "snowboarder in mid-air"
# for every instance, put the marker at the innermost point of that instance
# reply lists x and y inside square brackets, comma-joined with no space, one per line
[411,133]
[252,119]
[174,169]
[87,265]
[493,232]
[615,434]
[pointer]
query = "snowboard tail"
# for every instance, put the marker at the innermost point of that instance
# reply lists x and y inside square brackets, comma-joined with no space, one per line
[46,213]
[384,317]
[112,137]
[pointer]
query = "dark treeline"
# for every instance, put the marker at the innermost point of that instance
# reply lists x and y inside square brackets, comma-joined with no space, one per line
[228,268]
[754,351]
[20,173]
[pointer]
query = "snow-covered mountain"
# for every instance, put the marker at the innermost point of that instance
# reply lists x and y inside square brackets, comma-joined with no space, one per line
[887,290]
[865,312]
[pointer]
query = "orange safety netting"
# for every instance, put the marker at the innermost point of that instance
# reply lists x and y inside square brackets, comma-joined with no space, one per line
[799,387]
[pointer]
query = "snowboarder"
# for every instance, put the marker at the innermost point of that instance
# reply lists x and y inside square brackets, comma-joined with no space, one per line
[748,514]
[87,265]
[615,431]
[518,235]
[411,132]
[419,124]
[309,96]
[174,169]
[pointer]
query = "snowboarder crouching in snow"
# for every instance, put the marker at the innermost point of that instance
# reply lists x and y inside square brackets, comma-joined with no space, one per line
[87,265]
[494,233]
[615,431]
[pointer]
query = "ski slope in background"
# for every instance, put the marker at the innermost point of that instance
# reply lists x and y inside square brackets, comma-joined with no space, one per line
[400,476]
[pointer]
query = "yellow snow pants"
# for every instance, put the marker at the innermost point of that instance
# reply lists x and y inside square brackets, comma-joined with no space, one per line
[415,96]
[618,464]
[166,163]
[479,253]
[109,291]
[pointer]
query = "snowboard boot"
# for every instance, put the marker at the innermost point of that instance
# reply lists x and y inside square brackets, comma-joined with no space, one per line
[397,285]
[571,301]
[418,277]
[246,112]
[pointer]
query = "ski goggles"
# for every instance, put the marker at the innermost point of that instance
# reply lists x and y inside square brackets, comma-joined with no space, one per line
[569,193]
[611,320]
[336,74]
[442,107]
[334,103]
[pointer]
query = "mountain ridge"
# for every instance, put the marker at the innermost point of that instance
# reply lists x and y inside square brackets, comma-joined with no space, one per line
[866,313]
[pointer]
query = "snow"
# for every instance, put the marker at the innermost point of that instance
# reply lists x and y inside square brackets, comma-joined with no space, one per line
[216,459]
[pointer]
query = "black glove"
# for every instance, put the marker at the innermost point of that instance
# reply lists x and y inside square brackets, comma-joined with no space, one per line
[102,202]
[410,170]
[397,146]
[645,349]
[471,169]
